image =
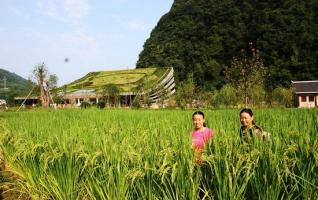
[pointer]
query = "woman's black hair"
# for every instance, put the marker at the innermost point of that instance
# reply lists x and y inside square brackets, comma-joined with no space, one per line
[199,113]
[248,111]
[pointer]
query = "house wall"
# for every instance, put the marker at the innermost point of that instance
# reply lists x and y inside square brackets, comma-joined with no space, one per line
[304,101]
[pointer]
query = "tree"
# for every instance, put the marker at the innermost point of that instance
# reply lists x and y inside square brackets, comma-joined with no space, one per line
[203,98]
[64,89]
[45,82]
[284,96]
[185,92]
[227,96]
[136,102]
[163,94]
[111,94]
[246,71]
[142,93]
[40,74]
[52,81]
[257,94]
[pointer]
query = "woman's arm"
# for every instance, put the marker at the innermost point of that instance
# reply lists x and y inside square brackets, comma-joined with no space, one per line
[258,132]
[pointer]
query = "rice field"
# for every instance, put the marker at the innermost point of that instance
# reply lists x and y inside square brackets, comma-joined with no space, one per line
[146,154]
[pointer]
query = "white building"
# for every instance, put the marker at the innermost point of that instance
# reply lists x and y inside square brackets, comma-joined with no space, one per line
[306,93]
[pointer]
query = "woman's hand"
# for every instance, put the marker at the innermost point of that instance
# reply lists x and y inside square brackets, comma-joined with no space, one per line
[199,161]
[198,155]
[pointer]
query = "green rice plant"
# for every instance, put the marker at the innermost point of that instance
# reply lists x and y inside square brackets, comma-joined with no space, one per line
[147,154]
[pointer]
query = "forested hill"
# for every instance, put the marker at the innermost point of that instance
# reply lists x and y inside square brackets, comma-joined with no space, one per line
[15,84]
[202,36]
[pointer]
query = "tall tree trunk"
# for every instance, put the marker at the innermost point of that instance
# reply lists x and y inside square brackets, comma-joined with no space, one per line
[44,96]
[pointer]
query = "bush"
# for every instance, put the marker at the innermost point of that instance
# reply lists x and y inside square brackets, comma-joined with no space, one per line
[283,96]
[257,95]
[100,104]
[136,102]
[85,104]
[228,96]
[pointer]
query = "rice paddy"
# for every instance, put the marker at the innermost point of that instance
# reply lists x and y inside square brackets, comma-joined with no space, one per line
[147,154]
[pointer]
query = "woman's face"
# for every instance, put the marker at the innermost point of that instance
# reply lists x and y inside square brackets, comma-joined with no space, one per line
[198,121]
[246,119]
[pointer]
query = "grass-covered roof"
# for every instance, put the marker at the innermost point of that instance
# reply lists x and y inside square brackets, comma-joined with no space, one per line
[125,80]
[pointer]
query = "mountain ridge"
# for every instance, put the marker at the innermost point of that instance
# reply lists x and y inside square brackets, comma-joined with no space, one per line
[202,37]
[14,85]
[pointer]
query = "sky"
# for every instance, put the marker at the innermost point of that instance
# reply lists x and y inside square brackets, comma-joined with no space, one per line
[75,37]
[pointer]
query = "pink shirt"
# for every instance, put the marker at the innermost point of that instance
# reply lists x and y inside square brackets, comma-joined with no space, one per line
[200,138]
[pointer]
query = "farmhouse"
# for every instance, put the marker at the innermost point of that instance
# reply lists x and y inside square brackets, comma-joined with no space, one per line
[31,100]
[150,85]
[306,93]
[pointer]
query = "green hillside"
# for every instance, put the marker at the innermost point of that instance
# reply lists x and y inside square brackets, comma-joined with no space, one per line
[202,37]
[15,85]
[126,80]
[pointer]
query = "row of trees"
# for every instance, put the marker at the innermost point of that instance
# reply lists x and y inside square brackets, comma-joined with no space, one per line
[245,85]
[229,96]
[188,96]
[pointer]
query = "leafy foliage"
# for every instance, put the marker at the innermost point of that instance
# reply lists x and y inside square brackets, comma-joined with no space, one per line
[246,72]
[85,105]
[186,93]
[227,96]
[202,37]
[284,96]
[110,94]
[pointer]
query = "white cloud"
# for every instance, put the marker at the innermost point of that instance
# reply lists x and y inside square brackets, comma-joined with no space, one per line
[64,10]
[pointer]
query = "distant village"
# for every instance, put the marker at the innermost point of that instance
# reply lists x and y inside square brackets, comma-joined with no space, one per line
[305,93]
[157,89]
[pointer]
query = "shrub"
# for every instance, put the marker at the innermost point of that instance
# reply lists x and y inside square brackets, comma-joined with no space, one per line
[227,96]
[85,104]
[283,96]
[100,104]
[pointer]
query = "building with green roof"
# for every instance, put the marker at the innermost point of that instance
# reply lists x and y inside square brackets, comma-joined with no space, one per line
[153,83]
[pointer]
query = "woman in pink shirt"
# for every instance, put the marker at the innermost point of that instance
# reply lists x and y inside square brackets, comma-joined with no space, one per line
[200,135]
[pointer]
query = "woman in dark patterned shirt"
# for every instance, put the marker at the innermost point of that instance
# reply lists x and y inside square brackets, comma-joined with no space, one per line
[249,130]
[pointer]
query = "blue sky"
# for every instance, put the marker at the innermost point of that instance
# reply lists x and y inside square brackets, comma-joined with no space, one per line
[93,34]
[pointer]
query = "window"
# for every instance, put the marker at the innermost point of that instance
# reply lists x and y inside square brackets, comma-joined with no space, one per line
[303,98]
[312,98]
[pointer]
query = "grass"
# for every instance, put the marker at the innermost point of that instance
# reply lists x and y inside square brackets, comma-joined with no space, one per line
[146,154]
[126,80]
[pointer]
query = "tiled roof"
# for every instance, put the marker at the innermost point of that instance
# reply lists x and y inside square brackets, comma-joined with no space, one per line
[22,98]
[305,86]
